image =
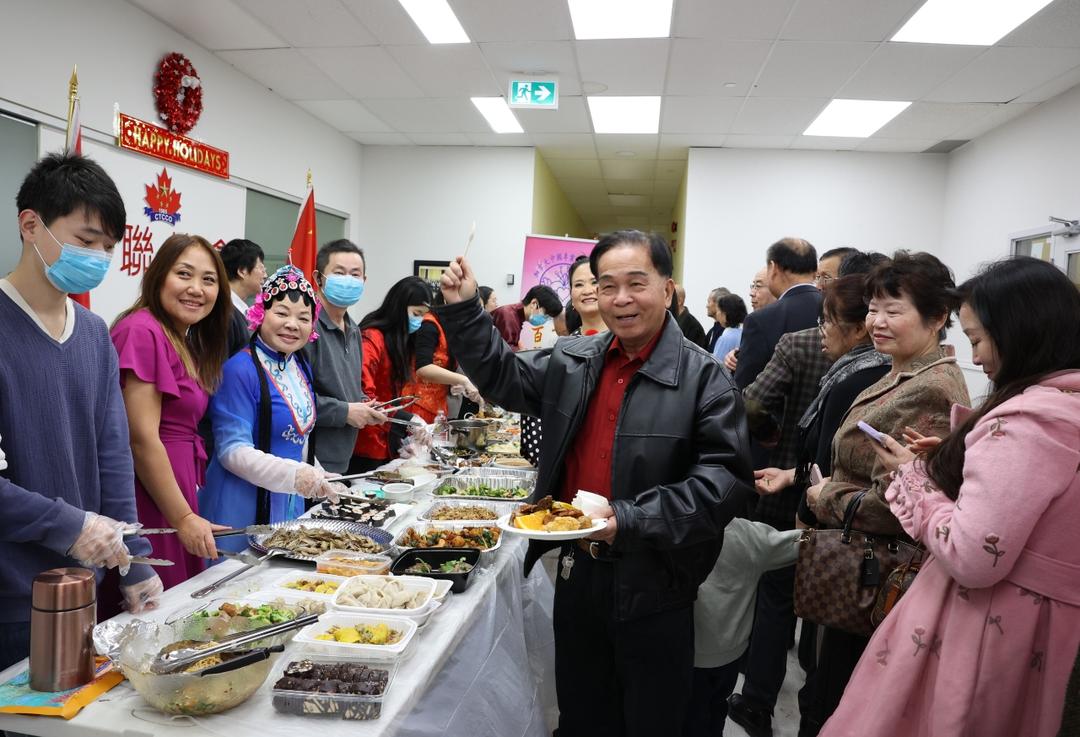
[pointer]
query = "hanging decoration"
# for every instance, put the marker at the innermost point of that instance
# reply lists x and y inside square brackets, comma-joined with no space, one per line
[178,93]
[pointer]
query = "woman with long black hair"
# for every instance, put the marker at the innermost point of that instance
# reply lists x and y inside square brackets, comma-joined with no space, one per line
[984,640]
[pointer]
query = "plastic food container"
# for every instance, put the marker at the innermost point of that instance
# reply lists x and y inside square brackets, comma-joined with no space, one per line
[404,625]
[304,664]
[398,493]
[198,624]
[436,556]
[281,585]
[425,587]
[348,563]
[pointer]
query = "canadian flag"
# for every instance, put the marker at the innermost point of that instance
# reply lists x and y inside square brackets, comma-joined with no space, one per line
[305,242]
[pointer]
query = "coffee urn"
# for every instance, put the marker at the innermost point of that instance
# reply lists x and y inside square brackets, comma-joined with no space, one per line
[62,628]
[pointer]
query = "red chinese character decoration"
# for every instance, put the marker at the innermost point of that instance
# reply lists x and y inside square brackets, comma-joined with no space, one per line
[138,250]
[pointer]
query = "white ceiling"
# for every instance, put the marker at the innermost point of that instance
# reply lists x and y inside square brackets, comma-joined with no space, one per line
[734,73]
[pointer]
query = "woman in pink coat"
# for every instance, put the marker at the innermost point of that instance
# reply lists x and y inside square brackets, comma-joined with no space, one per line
[983,642]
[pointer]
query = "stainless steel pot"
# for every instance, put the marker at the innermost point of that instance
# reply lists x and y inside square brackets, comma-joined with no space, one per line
[470,433]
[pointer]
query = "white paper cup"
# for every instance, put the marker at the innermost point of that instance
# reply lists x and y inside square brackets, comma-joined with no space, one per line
[591,504]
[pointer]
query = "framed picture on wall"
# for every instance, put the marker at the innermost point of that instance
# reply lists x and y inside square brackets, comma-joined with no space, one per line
[430,271]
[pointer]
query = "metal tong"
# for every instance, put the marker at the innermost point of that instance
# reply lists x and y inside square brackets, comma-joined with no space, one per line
[402,402]
[139,531]
[185,656]
[248,565]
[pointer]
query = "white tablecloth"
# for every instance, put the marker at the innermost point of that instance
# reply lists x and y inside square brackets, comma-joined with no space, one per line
[483,665]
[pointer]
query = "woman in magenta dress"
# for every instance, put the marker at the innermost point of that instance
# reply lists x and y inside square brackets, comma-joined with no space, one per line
[983,643]
[172,343]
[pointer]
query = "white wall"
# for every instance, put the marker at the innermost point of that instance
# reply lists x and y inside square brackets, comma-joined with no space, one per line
[419,202]
[741,201]
[1009,180]
[117,47]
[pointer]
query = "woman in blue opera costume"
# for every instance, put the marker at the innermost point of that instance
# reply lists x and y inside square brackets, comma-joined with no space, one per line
[262,415]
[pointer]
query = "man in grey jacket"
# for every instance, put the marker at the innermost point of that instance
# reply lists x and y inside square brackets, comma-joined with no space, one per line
[336,359]
[652,422]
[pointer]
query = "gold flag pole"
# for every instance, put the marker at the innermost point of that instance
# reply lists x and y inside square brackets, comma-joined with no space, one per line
[309,178]
[73,95]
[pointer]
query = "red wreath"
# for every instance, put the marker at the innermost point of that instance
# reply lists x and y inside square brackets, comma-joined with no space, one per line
[178,93]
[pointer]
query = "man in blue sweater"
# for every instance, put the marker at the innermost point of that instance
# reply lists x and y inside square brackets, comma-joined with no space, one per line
[68,488]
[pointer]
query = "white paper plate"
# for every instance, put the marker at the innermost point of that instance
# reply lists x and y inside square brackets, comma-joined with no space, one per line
[505,526]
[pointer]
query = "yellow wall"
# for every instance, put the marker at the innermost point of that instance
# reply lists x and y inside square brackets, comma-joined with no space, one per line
[678,215]
[552,213]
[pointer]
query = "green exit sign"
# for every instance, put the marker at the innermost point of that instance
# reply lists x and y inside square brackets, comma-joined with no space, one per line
[538,94]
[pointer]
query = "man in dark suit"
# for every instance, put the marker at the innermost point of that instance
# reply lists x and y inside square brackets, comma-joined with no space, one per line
[244,266]
[691,328]
[791,264]
[710,307]
[791,267]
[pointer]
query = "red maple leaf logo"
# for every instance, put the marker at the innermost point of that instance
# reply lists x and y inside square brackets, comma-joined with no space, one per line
[162,198]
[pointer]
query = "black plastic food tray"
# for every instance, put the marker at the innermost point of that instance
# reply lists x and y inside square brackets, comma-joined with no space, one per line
[436,556]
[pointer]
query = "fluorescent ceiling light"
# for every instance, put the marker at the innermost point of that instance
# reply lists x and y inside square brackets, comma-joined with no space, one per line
[967,22]
[620,18]
[625,114]
[498,114]
[854,118]
[436,21]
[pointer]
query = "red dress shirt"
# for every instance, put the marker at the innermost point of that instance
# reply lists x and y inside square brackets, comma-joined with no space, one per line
[508,320]
[588,463]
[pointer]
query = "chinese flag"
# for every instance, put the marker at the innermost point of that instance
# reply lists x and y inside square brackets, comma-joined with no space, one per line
[305,243]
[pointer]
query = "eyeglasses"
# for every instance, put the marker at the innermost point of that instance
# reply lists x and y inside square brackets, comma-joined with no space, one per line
[823,277]
[755,285]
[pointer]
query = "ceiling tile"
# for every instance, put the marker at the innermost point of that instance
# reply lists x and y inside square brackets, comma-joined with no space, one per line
[999,116]
[642,145]
[364,71]
[429,115]
[904,71]
[565,145]
[1002,74]
[310,22]
[556,58]
[629,200]
[447,70]
[677,145]
[631,221]
[345,115]
[514,20]
[380,139]
[730,19]
[670,169]
[627,169]
[896,145]
[1058,24]
[642,187]
[387,21]
[766,116]
[802,69]
[569,118]
[285,72]
[665,191]
[440,139]
[575,187]
[587,168]
[935,120]
[709,115]
[739,141]
[700,67]
[847,20]
[213,24]
[625,66]
[1053,88]
[826,143]
[500,139]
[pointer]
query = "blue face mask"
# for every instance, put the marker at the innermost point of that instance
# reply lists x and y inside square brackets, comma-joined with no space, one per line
[415,322]
[342,290]
[78,269]
[538,319]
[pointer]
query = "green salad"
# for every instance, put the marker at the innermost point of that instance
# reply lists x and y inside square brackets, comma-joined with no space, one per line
[482,489]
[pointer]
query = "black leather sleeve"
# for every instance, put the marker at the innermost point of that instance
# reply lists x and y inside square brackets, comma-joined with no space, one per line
[716,487]
[514,381]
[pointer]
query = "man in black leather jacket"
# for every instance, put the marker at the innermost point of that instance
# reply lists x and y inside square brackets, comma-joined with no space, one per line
[653,422]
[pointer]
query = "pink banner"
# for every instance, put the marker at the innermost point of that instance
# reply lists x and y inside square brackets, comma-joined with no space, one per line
[547,262]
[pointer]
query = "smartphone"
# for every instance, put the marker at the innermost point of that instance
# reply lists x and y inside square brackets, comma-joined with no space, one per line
[874,434]
[815,475]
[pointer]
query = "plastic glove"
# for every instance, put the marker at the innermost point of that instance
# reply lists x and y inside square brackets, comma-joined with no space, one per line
[472,393]
[101,544]
[311,483]
[143,595]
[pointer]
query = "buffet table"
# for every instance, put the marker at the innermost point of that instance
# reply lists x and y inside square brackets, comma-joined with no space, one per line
[482,665]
